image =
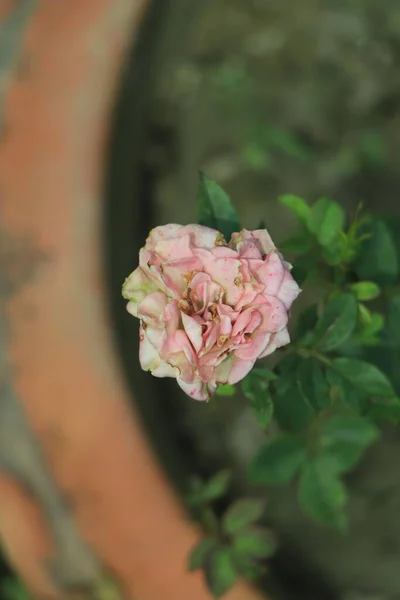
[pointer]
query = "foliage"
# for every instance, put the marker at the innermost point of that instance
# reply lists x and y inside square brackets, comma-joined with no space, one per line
[332,388]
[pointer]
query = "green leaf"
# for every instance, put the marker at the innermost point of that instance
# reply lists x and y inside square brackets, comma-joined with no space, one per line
[241,514]
[221,573]
[199,554]
[298,206]
[364,376]
[279,460]
[385,412]
[290,410]
[365,290]
[343,456]
[394,318]
[226,390]
[350,429]
[378,260]
[306,322]
[300,243]
[342,394]
[326,220]
[215,208]
[255,542]
[247,566]
[312,384]
[321,493]
[263,409]
[255,387]
[13,589]
[217,486]
[337,322]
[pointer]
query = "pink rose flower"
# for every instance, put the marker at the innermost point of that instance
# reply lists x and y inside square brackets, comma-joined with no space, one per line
[208,310]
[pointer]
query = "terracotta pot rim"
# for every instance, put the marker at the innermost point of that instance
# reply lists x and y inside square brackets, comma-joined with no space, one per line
[84,501]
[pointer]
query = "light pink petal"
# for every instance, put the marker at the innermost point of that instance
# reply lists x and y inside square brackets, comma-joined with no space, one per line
[275,316]
[174,248]
[224,252]
[152,306]
[255,321]
[252,349]
[193,331]
[164,232]
[242,321]
[279,339]
[148,356]
[289,290]
[136,287]
[250,250]
[225,272]
[240,368]
[222,371]
[150,359]
[260,236]
[184,343]
[271,273]
[226,325]
[210,338]
[249,294]
[201,237]
[197,390]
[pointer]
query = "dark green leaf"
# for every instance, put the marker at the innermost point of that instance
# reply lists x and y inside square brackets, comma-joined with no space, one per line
[336,323]
[199,554]
[363,375]
[255,387]
[321,493]
[226,390]
[342,394]
[307,321]
[215,208]
[298,206]
[343,456]
[394,318]
[299,244]
[378,260]
[255,542]
[217,486]
[385,412]
[263,408]
[241,514]
[221,573]
[247,566]
[326,220]
[365,290]
[351,429]
[290,410]
[279,460]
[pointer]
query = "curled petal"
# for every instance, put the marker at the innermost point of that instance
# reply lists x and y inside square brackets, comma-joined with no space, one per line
[153,306]
[240,368]
[278,339]
[197,390]
[289,290]
[271,273]
[136,287]
[193,331]
[260,237]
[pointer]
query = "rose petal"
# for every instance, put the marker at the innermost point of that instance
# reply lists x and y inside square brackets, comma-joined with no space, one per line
[193,331]
[279,339]
[197,390]
[240,368]
[289,290]
[271,273]
[136,287]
